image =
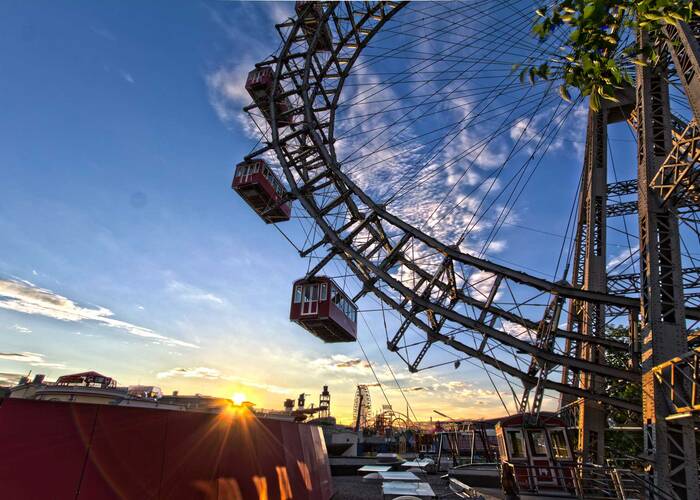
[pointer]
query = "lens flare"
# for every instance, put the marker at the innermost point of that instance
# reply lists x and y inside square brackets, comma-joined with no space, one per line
[238,398]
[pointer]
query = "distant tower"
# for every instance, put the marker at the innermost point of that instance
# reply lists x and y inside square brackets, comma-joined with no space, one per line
[362,408]
[288,405]
[301,402]
[324,403]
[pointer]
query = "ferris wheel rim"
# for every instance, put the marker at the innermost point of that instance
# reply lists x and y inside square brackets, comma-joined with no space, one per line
[327,152]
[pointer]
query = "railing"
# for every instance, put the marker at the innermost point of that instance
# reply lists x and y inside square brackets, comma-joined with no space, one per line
[680,377]
[590,482]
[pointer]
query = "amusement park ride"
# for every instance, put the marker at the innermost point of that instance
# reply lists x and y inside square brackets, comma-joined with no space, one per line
[443,294]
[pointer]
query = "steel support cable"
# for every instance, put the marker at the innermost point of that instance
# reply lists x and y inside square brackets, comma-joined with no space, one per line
[410,69]
[415,419]
[428,173]
[462,128]
[474,151]
[354,120]
[498,172]
[412,120]
[369,363]
[457,23]
[492,373]
[315,138]
[477,148]
[468,196]
[510,202]
[417,67]
[512,89]
[518,174]
[353,256]
[498,21]
[412,184]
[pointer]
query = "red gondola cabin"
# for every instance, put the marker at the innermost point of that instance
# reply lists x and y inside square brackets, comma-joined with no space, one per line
[312,14]
[262,190]
[259,85]
[323,309]
[541,454]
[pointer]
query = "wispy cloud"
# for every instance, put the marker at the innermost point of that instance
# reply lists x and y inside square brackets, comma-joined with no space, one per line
[33,358]
[127,77]
[198,372]
[25,297]
[104,33]
[9,378]
[626,256]
[227,94]
[21,329]
[192,293]
[209,373]
[341,363]
[352,362]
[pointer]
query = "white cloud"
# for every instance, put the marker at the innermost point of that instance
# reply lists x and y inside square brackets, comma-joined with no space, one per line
[208,373]
[27,298]
[199,372]
[518,331]
[340,363]
[480,284]
[227,93]
[189,292]
[624,258]
[33,358]
[21,329]
[127,77]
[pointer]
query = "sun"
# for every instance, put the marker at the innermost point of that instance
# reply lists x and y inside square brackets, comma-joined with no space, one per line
[238,398]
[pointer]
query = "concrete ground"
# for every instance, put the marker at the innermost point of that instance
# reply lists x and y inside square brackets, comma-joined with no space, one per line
[353,488]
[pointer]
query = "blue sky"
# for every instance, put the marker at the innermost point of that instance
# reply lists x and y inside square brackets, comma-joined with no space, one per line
[125,250]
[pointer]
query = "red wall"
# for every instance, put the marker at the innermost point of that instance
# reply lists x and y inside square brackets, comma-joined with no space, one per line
[85,451]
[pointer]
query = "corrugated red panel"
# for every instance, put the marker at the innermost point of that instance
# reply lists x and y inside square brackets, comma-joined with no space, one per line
[321,464]
[252,456]
[65,450]
[126,456]
[295,460]
[193,446]
[44,447]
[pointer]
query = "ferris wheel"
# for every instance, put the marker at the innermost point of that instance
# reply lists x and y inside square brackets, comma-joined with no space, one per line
[397,141]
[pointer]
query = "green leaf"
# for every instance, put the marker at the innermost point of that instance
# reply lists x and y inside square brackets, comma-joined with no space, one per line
[588,11]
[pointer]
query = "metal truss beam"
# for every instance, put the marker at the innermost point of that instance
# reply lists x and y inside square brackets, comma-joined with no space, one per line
[592,413]
[629,283]
[670,446]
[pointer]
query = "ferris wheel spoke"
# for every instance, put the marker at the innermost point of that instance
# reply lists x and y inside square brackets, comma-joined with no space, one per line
[422,92]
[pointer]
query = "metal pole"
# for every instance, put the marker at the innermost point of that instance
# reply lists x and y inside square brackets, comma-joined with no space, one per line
[592,413]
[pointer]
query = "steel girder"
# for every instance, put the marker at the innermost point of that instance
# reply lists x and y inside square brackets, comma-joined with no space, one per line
[670,446]
[371,240]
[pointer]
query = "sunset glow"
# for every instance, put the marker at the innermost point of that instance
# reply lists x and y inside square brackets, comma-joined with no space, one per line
[238,398]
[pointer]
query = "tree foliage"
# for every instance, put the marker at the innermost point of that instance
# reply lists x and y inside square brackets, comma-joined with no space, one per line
[620,444]
[596,53]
